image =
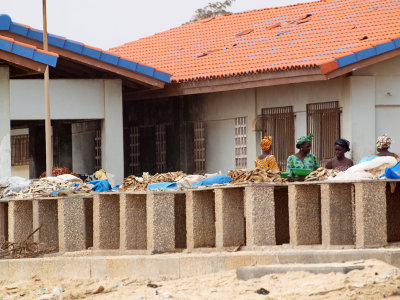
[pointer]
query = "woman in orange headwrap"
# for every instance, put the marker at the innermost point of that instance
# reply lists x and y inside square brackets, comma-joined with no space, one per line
[266,160]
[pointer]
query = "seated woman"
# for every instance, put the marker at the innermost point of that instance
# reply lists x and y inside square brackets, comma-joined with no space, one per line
[266,160]
[302,159]
[340,162]
[382,147]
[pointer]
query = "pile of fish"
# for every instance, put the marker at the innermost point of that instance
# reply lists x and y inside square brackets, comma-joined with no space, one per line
[258,175]
[321,174]
[133,183]
[64,185]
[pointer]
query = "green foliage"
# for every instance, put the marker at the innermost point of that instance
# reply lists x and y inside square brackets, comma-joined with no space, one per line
[212,10]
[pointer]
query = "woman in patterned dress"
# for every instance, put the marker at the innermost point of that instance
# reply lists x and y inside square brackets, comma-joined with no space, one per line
[302,159]
[266,160]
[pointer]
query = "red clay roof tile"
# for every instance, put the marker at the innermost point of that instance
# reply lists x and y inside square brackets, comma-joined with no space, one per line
[298,36]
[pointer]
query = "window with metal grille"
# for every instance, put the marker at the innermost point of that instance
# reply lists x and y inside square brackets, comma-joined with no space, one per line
[241,143]
[199,147]
[323,120]
[278,122]
[161,148]
[20,150]
[97,149]
[134,150]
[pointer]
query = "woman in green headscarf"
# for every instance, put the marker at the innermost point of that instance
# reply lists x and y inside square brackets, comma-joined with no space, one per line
[302,159]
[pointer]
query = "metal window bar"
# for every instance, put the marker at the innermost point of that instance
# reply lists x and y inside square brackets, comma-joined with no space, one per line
[20,150]
[241,143]
[161,148]
[134,150]
[323,120]
[199,141]
[278,122]
[97,149]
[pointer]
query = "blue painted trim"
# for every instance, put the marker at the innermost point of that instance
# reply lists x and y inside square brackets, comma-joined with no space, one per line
[5,22]
[382,48]
[347,60]
[35,34]
[109,58]
[367,53]
[145,70]
[19,29]
[45,58]
[61,42]
[74,46]
[6,45]
[397,42]
[22,51]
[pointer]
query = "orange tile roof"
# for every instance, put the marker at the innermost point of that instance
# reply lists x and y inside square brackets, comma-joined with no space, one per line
[307,35]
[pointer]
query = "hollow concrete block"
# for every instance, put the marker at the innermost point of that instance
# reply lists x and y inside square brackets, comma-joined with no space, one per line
[106,217]
[160,222]
[229,217]
[260,215]
[133,232]
[304,214]
[370,211]
[3,220]
[71,224]
[20,220]
[45,214]
[200,219]
[336,214]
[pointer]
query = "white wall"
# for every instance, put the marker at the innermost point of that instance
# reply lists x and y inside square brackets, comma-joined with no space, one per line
[5,143]
[69,99]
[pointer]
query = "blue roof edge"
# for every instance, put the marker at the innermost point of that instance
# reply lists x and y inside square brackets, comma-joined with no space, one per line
[369,52]
[7,24]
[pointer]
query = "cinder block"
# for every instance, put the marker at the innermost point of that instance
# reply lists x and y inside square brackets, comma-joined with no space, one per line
[371,225]
[71,224]
[393,211]
[133,230]
[106,233]
[229,217]
[20,220]
[281,215]
[260,215]
[45,214]
[304,214]
[336,214]
[160,222]
[180,221]
[3,220]
[200,222]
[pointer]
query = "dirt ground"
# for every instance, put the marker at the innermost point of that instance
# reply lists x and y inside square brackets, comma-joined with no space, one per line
[378,280]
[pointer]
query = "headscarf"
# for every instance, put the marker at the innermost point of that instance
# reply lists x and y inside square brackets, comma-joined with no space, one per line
[345,144]
[304,139]
[383,142]
[266,143]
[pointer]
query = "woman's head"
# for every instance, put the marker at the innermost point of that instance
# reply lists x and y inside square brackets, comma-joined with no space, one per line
[304,143]
[383,142]
[341,147]
[266,143]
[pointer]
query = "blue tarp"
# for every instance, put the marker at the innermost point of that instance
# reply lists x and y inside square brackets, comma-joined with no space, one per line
[100,185]
[393,172]
[162,186]
[218,179]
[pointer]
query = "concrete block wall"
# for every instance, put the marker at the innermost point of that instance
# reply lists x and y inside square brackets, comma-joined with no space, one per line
[319,213]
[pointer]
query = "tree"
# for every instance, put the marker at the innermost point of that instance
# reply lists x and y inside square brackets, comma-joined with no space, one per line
[212,10]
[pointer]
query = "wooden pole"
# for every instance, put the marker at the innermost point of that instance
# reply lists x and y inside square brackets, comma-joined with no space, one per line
[48,129]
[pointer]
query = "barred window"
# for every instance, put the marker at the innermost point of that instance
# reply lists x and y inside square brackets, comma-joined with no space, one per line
[161,148]
[20,150]
[134,150]
[199,147]
[241,143]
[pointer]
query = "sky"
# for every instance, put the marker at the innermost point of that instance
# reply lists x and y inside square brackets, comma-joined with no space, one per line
[109,23]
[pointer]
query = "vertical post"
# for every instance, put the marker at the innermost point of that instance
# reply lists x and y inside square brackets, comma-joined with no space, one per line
[49,152]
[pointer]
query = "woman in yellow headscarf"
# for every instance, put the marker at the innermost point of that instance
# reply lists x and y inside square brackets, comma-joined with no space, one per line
[266,160]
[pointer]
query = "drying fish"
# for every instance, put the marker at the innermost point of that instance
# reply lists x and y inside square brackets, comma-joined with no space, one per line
[258,175]
[133,183]
[321,174]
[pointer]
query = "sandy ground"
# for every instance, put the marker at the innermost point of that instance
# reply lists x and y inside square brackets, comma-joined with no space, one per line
[378,280]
